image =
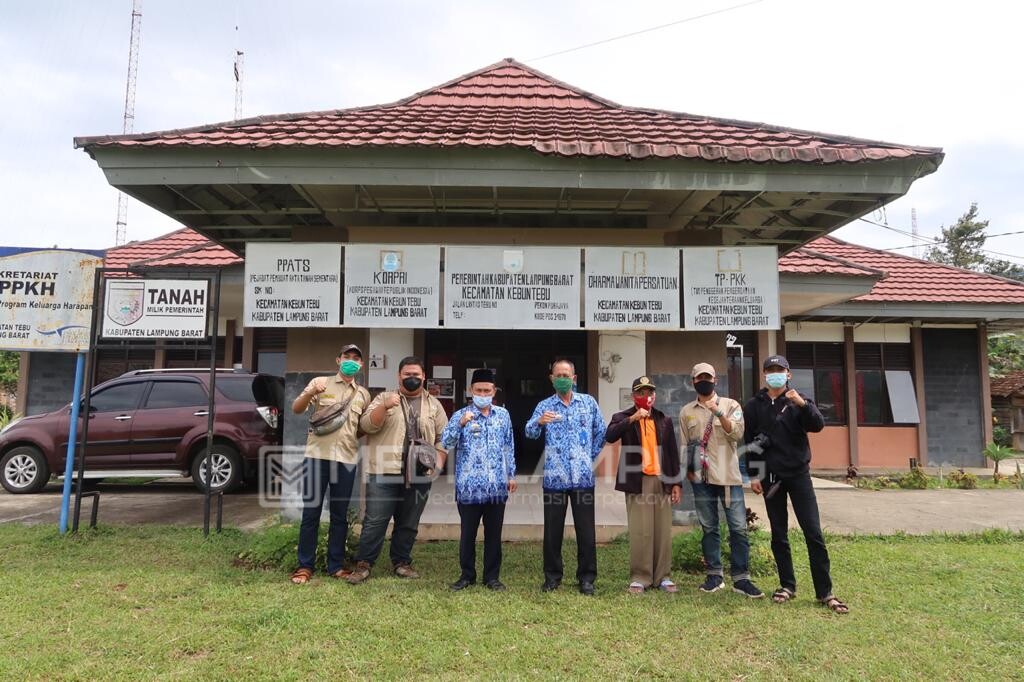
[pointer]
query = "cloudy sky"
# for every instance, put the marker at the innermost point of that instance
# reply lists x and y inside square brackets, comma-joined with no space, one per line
[917,72]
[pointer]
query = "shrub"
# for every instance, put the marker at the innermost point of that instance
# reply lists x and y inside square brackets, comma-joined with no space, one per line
[915,479]
[997,453]
[963,479]
[1002,436]
[688,556]
[276,547]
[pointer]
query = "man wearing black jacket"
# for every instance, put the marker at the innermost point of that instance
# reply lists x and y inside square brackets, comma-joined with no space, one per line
[778,420]
[649,474]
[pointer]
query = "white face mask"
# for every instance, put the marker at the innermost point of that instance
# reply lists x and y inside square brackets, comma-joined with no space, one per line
[482,401]
[776,379]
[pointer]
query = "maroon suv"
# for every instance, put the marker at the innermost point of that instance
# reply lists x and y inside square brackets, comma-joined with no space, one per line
[153,422]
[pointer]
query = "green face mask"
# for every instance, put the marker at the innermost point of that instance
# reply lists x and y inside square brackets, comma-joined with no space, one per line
[562,384]
[349,368]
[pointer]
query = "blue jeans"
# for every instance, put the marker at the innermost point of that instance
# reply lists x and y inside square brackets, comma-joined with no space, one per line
[387,498]
[319,475]
[706,500]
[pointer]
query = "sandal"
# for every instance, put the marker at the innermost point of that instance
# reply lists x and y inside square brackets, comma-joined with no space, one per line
[341,573]
[301,575]
[835,604]
[783,595]
[635,588]
[668,586]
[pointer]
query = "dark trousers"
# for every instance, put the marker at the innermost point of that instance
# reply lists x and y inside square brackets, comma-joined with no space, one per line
[801,493]
[318,477]
[555,504]
[387,498]
[493,516]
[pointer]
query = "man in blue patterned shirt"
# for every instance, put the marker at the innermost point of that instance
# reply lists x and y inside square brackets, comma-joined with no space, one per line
[480,435]
[573,429]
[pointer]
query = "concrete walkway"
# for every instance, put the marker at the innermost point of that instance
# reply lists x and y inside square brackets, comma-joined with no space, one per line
[843,509]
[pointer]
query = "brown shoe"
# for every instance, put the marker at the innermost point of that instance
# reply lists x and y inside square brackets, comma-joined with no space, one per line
[359,574]
[406,571]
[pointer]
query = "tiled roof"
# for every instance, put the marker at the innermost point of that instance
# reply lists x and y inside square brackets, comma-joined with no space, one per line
[181,248]
[1008,385]
[510,105]
[805,261]
[913,280]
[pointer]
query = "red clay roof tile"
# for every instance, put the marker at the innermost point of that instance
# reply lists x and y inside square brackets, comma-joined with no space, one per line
[510,105]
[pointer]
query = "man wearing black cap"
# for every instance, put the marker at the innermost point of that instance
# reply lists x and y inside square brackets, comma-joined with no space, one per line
[332,451]
[480,436]
[778,420]
[649,474]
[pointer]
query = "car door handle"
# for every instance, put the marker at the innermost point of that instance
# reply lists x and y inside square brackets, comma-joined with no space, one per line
[122,417]
[201,413]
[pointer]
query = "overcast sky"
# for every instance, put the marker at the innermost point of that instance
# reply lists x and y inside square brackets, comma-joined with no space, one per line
[936,73]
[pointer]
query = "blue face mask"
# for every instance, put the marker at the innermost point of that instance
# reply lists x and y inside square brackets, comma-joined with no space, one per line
[482,401]
[776,379]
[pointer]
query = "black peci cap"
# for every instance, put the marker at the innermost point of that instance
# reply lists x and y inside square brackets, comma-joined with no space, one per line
[483,375]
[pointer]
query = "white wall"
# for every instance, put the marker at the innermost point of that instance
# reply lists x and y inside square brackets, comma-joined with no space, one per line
[814,331]
[631,349]
[881,333]
[395,344]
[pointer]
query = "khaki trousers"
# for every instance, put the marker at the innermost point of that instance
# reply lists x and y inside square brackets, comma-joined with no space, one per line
[649,516]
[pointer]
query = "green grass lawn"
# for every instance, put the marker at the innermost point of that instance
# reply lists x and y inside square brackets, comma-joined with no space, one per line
[162,602]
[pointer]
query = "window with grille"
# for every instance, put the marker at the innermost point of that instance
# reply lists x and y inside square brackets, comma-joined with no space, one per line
[817,370]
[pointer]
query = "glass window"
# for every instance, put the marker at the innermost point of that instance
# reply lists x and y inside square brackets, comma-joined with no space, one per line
[871,397]
[119,398]
[236,388]
[829,395]
[176,394]
[817,370]
[902,398]
[884,380]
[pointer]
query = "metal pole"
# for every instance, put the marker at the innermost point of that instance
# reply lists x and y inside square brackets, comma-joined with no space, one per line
[209,414]
[90,369]
[69,459]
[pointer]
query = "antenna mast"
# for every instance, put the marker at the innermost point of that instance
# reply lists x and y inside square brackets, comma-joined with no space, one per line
[913,231]
[239,69]
[129,113]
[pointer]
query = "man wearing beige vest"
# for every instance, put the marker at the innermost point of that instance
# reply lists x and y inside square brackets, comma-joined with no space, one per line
[398,485]
[712,426]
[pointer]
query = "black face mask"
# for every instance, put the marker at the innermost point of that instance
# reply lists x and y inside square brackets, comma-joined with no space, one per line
[412,384]
[704,388]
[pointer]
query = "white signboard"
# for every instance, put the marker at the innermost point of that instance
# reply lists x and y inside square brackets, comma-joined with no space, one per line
[292,285]
[494,287]
[392,286]
[631,288]
[155,308]
[46,299]
[731,287]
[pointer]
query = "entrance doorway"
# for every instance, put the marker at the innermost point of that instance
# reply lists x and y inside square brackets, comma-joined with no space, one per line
[522,364]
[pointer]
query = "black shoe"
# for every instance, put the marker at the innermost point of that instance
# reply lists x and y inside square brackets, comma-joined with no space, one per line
[496,585]
[460,584]
[587,589]
[549,586]
[747,589]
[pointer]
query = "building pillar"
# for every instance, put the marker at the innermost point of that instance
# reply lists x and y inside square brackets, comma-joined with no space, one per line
[248,358]
[986,387]
[850,372]
[229,342]
[917,349]
[160,358]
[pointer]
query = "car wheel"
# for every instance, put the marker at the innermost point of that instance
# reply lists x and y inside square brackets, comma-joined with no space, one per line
[225,465]
[24,470]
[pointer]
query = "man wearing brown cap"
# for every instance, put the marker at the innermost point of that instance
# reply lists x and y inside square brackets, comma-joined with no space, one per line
[649,474]
[332,451]
[713,425]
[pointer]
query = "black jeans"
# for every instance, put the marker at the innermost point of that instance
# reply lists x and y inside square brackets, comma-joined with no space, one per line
[387,498]
[493,516]
[319,476]
[805,505]
[555,504]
